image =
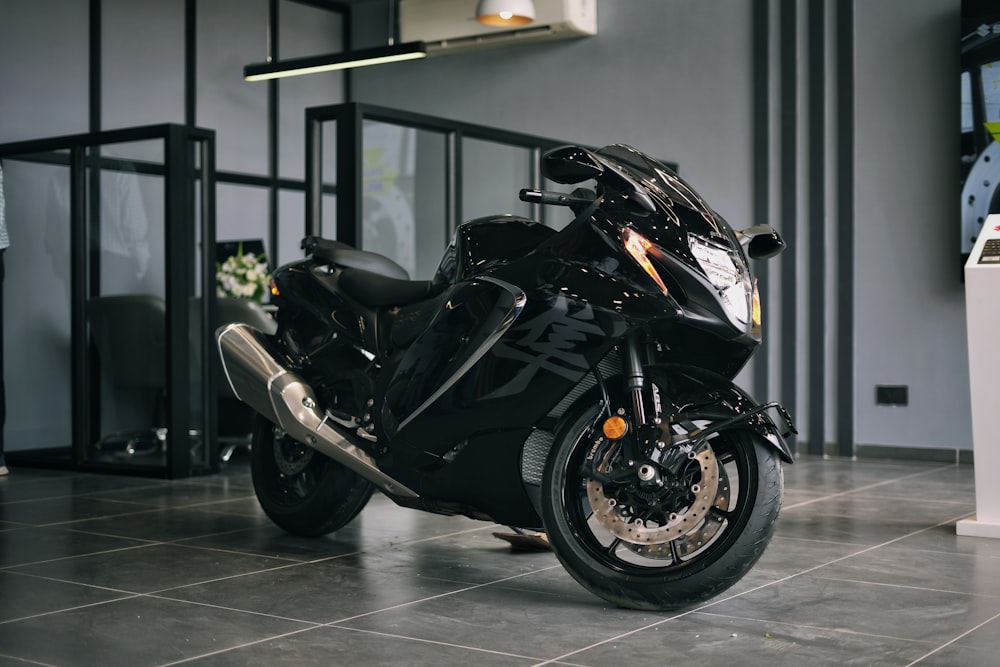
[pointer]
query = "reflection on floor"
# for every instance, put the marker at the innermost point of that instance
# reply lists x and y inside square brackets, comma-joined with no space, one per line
[865,569]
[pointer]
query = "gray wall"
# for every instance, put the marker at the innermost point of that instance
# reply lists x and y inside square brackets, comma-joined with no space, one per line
[910,310]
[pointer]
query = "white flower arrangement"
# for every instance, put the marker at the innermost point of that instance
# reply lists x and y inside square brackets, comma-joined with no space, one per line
[243,276]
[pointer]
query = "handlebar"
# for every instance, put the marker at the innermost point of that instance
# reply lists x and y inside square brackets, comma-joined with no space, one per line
[555,198]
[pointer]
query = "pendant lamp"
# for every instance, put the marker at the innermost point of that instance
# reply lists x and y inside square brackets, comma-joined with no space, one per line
[334,61]
[389,53]
[505,12]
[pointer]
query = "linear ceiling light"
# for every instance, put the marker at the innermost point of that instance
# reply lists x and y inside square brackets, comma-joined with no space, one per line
[334,61]
[505,12]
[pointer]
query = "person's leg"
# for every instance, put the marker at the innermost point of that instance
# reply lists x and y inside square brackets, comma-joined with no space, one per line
[3,396]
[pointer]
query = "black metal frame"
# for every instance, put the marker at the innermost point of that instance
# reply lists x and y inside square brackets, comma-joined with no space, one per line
[349,119]
[179,174]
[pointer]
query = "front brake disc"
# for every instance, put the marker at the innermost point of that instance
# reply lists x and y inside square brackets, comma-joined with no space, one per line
[624,521]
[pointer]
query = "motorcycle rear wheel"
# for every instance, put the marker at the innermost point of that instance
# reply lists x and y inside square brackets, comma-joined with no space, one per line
[301,490]
[665,572]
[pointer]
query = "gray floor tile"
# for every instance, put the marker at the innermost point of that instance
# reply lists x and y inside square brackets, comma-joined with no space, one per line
[789,555]
[178,494]
[31,545]
[168,524]
[959,656]
[22,596]
[322,592]
[472,556]
[135,632]
[150,567]
[864,519]
[271,541]
[899,566]
[981,638]
[63,509]
[497,618]
[946,540]
[28,484]
[705,639]
[889,611]
[865,568]
[327,646]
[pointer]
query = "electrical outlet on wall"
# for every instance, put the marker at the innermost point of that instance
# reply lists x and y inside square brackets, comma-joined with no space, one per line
[892,394]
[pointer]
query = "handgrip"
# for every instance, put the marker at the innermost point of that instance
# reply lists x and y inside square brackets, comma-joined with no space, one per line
[532,196]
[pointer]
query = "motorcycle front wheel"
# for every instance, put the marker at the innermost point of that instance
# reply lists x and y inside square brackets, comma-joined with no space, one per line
[642,550]
[301,490]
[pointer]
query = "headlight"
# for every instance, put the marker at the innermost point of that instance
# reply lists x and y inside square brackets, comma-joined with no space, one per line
[732,282]
[716,262]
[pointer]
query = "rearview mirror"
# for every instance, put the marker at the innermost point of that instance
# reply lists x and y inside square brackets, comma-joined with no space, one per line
[570,165]
[761,241]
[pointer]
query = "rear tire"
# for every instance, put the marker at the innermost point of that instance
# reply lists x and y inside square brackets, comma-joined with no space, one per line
[301,490]
[669,571]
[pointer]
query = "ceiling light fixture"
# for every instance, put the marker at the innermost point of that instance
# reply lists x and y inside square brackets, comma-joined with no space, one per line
[505,12]
[335,61]
[390,53]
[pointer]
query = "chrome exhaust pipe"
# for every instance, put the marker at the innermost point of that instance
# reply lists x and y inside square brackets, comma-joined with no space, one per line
[259,379]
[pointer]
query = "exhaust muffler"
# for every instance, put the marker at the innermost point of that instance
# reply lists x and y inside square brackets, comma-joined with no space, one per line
[259,379]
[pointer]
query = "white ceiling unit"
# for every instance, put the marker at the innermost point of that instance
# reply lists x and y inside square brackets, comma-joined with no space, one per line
[450,26]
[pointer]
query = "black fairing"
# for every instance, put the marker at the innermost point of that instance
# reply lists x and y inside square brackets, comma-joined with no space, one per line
[550,345]
[460,333]
[308,294]
[487,242]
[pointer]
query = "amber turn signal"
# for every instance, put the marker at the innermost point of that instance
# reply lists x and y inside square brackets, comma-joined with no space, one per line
[615,427]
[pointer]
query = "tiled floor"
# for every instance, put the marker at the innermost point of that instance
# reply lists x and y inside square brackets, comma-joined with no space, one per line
[865,569]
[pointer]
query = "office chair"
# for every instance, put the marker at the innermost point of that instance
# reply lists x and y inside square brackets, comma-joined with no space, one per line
[129,332]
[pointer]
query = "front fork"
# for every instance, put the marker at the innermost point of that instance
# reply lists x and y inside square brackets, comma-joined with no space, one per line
[635,380]
[634,361]
[641,459]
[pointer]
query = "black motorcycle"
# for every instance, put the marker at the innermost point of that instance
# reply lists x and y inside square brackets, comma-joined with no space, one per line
[576,382]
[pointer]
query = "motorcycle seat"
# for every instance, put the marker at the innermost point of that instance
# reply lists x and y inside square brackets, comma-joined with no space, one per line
[341,254]
[376,290]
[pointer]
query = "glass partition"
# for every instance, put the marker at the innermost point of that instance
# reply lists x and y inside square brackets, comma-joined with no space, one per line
[126,309]
[111,365]
[291,213]
[37,331]
[399,183]
[242,214]
[492,175]
[404,196]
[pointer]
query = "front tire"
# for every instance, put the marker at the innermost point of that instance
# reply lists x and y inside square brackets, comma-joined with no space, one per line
[661,558]
[301,490]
